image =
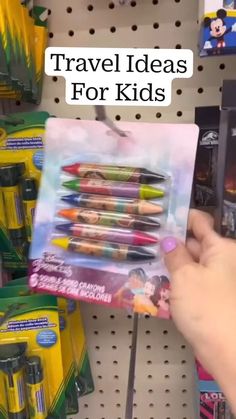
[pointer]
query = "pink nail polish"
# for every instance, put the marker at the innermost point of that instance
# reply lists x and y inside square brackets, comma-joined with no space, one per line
[168,244]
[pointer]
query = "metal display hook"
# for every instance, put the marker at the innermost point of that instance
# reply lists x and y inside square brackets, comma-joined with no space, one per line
[101,115]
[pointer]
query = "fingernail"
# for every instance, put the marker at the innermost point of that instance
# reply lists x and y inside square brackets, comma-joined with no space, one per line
[168,244]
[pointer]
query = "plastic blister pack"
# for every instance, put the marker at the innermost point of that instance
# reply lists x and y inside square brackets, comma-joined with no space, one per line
[106,202]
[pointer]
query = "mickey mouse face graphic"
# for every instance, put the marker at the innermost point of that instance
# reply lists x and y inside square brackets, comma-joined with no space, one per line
[217,28]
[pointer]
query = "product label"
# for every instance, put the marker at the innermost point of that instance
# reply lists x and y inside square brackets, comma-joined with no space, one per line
[13,210]
[14,385]
[37,401]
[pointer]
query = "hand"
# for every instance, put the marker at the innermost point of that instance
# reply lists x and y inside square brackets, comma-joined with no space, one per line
[203,297]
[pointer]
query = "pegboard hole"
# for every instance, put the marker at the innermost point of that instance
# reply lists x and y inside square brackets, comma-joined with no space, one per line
[166,362]
[184,376]
[98,362]
[133,3]
[149,362]
[158,115]
[147,332]
[115,362]
[90,7]
[184,390]
[134,27]
[167,404]
[134,404]
[54,79]
[111,5]
[167,376]
[177,23]
[179,114]
[179,92]
[151,405]
[86,405]
[118,118]
[97,348]
[222,66]
[113,332]
[156,47]
[113,29]
[18,102]
[118,405]
[99,377]
[138,116]
[200,68]
[177,1]
[112,316]
[200,90]
[150,391]
[92,31]
[184,405]
[117,391]
[49,12]
[167,390]
[220,89]
[149,377]
[51,35]
[147,316]
[148,347]
[154,2]
[183,361]
[71,33]
[165,347]
[114,347]
[165,332]
[183,346]
[155,25]
[95,332]
[130,332]
[69,9]
[116,377]
[56,100]
[94,317]
[178,46]
[101,405]
[101,391]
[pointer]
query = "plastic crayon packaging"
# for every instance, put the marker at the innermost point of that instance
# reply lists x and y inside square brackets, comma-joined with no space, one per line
[78,378]
[21,157]
[213,404]
[31,371]
[103,210]
[23,30]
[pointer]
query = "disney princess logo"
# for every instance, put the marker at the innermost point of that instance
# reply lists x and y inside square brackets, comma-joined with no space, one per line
[209,138]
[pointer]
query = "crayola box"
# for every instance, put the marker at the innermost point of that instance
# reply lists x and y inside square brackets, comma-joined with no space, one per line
[19,288]
[32,322]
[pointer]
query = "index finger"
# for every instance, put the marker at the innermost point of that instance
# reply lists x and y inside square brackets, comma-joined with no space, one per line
[201,225]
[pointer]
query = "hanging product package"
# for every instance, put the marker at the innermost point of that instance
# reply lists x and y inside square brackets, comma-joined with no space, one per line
[105,202]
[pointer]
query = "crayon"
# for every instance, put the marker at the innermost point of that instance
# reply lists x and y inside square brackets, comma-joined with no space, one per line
[29,196]
[108,219]
[117,173]
[12,362]
[9,182]
[103,187]
[109,203]
[108,250]
[35,388]
[115,235]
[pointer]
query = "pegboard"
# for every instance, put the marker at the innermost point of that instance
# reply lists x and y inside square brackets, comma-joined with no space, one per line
[164,387]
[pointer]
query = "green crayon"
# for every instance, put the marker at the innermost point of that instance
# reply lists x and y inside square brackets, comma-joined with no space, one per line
[123,189]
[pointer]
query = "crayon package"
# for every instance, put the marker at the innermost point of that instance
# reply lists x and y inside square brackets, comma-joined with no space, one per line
[21,158]
[105,202]
[204,185]
[21,68]
[213,404]
[77,374]
[226,179]
[217,20]
[31,371]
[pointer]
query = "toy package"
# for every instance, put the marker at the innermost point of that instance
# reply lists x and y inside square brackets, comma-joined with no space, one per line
[31,384]
[218,27]
[21,158]
[213,404]
[204,185]
[104,204]
[226,172]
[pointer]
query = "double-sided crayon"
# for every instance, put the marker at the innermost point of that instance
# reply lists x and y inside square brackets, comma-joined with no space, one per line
[109,203]
[115,235]
[108,250]
[108,219]
[29,196]
[104,187]
[35,388]
[117,173]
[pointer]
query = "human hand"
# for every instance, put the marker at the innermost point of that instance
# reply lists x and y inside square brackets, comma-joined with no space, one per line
[203,295]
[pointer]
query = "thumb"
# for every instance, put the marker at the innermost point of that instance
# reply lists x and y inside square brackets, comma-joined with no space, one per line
[176,255]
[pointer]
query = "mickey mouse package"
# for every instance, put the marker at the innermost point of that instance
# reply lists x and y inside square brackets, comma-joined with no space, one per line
[105,202]
[218,27]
